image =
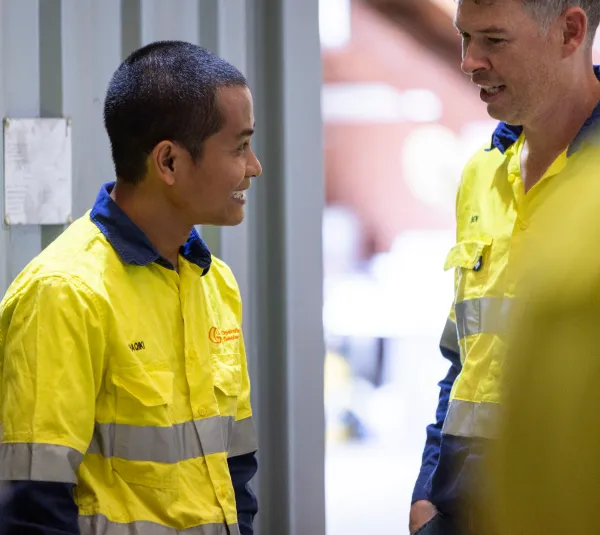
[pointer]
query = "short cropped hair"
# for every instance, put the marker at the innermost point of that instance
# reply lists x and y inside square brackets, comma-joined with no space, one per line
[164,91]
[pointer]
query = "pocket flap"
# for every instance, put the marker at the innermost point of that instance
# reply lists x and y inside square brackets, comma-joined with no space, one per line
[227,373]
[467,253]
[152,387]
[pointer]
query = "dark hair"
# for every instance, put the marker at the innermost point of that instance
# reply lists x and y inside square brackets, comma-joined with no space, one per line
[164,91]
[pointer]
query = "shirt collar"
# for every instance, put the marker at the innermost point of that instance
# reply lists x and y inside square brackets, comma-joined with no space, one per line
[131,243]
[506,135]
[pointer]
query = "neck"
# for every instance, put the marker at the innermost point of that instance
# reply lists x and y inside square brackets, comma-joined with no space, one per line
[154,216]
[555,129]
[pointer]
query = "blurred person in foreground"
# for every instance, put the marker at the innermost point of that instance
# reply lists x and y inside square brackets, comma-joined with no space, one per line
[124,392]
[532,60]
[545,464]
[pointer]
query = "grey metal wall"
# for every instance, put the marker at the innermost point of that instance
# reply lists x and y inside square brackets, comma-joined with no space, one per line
[56,59]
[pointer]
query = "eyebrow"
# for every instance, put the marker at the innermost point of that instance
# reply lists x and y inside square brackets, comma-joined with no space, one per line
[247,132]
[489,29]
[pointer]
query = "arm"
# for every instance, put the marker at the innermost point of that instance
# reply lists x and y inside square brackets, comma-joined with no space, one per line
[48,385]
[450,350]
[242,454]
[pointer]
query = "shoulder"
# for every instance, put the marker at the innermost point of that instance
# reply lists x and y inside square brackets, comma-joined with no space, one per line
[49,300]
[72,265]
[484,162]
[222,272]
[221,281]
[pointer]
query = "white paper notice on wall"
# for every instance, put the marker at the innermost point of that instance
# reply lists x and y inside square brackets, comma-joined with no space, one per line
[37,171]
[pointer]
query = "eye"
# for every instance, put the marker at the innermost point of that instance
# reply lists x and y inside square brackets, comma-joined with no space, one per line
[494,40]
[243,146]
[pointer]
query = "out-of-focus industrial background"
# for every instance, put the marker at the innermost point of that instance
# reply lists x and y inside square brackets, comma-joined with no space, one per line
[364,121]
[400,121]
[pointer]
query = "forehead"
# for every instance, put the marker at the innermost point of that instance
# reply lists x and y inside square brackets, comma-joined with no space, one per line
[472,15]
[235,104]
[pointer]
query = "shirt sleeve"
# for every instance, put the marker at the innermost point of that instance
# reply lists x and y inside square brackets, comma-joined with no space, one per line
[431,453]
[52,351]
[241,457]
[243,436]
[242,469]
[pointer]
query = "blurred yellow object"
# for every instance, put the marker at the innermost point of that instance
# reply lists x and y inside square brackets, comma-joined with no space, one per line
[338,385]
[546,464]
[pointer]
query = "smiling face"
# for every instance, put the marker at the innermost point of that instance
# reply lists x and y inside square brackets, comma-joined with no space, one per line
[213,189]
[509,55]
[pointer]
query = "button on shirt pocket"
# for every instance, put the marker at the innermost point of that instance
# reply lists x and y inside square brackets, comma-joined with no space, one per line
[227,373]
[227,377]
[145,448]
[471,258]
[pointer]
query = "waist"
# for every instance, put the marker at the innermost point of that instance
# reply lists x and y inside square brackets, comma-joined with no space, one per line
[188,494]
[458,484]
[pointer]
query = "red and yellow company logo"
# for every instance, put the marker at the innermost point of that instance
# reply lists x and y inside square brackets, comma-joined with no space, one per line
[218,336]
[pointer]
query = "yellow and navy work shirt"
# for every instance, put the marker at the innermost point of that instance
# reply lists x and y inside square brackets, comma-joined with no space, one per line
[494,219]
[127,381]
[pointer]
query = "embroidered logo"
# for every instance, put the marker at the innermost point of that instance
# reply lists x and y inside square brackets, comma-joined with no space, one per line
[218,336]
[474,218]
[137,346]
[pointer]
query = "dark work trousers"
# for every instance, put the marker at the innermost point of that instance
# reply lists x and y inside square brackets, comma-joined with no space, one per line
[439,525]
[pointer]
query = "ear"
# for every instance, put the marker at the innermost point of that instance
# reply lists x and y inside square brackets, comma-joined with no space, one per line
[164,159]
[574,30]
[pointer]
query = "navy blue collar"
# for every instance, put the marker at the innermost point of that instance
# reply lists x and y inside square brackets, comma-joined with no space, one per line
[131,243]
[506,135]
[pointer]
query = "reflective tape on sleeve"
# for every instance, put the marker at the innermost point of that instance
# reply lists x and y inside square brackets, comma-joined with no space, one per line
[39,462]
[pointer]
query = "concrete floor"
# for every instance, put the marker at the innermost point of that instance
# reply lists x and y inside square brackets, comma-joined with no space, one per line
[370,482]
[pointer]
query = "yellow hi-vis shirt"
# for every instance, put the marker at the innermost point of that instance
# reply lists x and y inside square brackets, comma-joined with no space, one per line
[127,378]
[494,219]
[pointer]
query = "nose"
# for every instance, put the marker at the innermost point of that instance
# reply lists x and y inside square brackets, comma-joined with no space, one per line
[253,168]
[473,60]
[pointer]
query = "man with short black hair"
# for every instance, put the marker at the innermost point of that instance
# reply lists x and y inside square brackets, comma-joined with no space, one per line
[124,390]
[532,61]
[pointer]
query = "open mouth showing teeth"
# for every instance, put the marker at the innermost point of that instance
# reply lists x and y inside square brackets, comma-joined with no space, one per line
[240,195]
[492,89]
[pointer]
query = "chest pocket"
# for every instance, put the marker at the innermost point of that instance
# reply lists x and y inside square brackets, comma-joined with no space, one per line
[144,449]
[227,378]
[472,259]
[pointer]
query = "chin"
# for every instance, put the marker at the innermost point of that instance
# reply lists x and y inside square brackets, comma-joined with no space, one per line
[232,220]
[506,116]
[227,219]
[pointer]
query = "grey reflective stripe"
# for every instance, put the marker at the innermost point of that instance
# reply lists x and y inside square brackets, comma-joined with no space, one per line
[100,525]
[161,444]
[471,419]
[450,337]
[483,315]
[39,462]
[243,437]
[181,442]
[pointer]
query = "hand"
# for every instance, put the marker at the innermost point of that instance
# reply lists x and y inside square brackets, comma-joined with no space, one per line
[421,512]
